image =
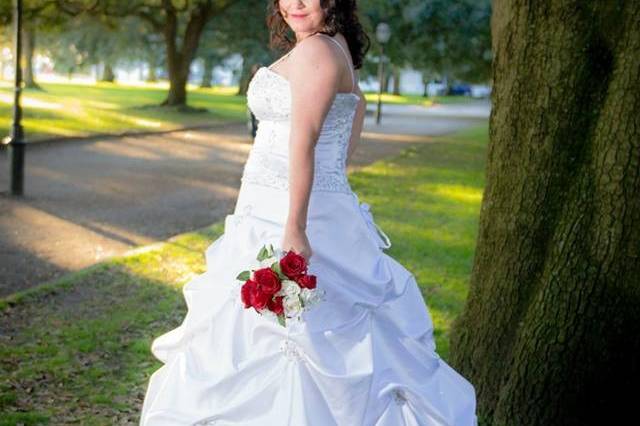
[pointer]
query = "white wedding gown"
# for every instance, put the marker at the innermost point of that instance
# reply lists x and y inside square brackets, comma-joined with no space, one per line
[363,357]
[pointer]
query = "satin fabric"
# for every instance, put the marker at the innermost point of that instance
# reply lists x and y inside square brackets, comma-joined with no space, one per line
[363,356]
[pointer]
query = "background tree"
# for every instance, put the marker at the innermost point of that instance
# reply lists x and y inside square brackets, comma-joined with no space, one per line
[103,41]
[447,39]
[395,50]
[37,16]
[551,331]
[229,34]
[450,39]
[181,24]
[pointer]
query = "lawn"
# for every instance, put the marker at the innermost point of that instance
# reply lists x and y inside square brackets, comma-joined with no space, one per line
[77,350]
[84,109]
[387,98]
[78,109]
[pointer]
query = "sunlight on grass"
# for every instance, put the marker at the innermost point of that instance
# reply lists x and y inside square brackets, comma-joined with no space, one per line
[146,123]
[389,98]
[82,109]
[454,192]
[30,102]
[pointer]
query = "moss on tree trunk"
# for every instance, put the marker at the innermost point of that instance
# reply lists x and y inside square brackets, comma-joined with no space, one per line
[551,331]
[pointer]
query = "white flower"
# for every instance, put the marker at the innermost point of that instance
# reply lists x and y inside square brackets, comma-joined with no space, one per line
[307,296]
[290,288]
[311,297]
[266,263]
[292,305]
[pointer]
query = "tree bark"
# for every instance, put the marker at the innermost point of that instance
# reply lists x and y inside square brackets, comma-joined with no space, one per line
[179,58]
[207,71]
[152,77]
[107,73]
[396,80]
[246,74]
[551,331]
[385,78]
[425,82]
[29,42]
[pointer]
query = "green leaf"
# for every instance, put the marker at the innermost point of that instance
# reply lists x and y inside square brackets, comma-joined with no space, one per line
[244,275]
[263,254]
[275,267]
[281,320]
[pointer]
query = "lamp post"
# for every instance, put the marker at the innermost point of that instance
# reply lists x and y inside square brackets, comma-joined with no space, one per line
[15,142]
[383,32]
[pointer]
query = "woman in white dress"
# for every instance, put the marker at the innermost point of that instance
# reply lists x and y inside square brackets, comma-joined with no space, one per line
[365,356]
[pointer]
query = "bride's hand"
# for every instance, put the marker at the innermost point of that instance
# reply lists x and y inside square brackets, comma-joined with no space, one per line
[295,239]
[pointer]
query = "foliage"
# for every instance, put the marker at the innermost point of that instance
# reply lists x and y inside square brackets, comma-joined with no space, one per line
[442,38]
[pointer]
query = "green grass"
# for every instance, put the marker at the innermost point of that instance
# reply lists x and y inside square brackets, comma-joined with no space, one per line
[78,350]
[387,98]
[77,109]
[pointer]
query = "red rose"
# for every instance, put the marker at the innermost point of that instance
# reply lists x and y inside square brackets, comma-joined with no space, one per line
[293,265]
[268,280]
[260,299]
[276,305]
[307,281]
[247,291]
[253,296]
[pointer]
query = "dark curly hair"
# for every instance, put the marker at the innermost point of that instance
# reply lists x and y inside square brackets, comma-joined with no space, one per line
[340,16]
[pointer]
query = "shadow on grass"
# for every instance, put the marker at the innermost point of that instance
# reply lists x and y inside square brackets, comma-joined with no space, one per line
[79,351]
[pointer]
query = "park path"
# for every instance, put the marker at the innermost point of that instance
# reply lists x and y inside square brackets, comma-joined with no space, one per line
[88,200]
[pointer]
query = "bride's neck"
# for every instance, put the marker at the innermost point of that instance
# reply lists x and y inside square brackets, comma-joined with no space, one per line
[303,35]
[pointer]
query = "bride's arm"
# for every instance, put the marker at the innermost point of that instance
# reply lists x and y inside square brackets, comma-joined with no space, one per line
[314,78]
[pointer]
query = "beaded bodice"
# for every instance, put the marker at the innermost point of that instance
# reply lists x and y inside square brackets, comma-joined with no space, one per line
[269,98]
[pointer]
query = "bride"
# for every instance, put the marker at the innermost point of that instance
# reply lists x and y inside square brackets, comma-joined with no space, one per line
[365,356]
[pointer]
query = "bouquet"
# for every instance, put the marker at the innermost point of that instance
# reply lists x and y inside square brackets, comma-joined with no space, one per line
[280,286]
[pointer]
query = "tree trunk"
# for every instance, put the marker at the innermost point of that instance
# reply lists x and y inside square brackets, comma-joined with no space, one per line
[551,331]
[385,78]
[152,77]
[177,95]
[396,80]
[425,82]
[179,59]
[108,74]
[246,73]
[207,71]
[29,42]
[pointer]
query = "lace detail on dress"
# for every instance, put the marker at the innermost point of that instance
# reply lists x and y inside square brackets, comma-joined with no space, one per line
[262,169]
[291,350]
[268,97]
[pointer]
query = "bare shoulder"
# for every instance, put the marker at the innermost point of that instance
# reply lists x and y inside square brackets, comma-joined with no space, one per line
[316,53]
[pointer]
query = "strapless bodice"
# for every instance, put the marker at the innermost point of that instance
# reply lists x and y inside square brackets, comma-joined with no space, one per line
[269,98]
